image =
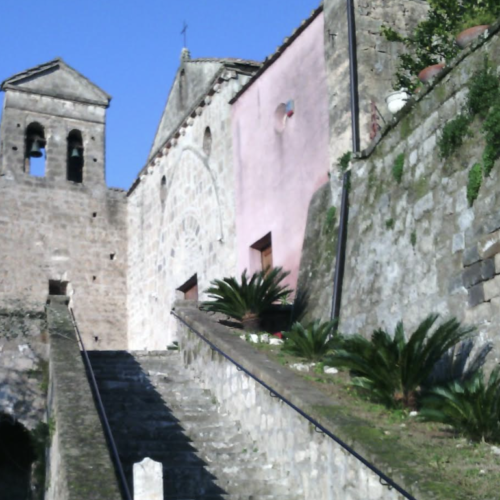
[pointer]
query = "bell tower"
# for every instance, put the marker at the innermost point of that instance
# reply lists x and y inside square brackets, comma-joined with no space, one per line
[53,126]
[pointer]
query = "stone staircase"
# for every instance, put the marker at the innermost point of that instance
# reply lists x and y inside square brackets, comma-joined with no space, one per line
[156,410]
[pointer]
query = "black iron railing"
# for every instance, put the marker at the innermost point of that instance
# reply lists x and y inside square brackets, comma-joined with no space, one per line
[104,418]
[384,480]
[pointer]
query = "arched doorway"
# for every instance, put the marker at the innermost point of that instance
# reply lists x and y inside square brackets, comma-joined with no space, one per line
[16,458]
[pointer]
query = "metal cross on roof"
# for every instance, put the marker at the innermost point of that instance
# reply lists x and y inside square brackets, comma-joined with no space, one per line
[184,32]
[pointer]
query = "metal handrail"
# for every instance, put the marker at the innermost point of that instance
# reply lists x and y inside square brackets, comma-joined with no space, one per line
[384,480]
[107,428]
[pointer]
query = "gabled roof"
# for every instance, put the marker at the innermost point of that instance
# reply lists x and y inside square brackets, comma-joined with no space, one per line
[57,79]
[270,60]
[194,79]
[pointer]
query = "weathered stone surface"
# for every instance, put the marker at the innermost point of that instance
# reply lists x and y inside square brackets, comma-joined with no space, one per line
[476,295]
[80,466]
[472,275]
[489,245]
[487,269]
[470,255]
[148,480]
[492,288]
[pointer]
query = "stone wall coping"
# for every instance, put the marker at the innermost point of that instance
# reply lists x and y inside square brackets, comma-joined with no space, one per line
[83,468]
[303,395]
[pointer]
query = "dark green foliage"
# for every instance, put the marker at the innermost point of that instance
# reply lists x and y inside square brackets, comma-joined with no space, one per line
[250,297]
[299,306]
[330,218]
[474,183]
[392,369]
[313,341]
[454,133]
[457,365]
[397,168]
[491,128]
[483,91]
[433,40]
[389,223]
[413,238]
[344,161]
[472,406]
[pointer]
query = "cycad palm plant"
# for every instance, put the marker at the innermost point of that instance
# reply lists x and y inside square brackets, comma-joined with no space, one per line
[313,341]
[392,369]
[248,300]
[472,406]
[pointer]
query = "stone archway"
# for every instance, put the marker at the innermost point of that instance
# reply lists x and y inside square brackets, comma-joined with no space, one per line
[17,455]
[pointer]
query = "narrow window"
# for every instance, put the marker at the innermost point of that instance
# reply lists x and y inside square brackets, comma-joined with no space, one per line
[34,163]
[265,249]
[190,288]
[74,170]
[207,141]
[163,190]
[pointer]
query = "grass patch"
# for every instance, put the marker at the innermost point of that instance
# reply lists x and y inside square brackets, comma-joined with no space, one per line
[397,168]
[474,183]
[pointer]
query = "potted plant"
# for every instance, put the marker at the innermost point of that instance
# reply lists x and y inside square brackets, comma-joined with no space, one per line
[432,43]
[473,27]
[248,300]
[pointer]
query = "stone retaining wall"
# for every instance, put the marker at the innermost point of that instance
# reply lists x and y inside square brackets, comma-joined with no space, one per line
[312,462]
[80,467]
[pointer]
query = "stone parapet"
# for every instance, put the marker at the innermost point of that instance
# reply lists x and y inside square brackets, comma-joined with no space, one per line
[312,462]
[80,466]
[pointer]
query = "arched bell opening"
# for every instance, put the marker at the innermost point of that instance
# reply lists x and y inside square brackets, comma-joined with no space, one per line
[17,455]
[35,150]
[75,157]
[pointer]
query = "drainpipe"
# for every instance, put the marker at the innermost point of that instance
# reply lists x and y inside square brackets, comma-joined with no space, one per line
[344,208]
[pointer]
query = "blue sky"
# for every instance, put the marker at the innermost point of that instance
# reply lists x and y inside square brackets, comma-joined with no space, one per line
[131,49]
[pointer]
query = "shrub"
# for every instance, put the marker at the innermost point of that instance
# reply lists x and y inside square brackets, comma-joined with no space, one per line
[249,300]
[313,341]
[483,91]
[393,369]
[433,40]
[491,128]
[389,223]
[474,183]
[472,406]
[454,133]
[344,161]
[397,168]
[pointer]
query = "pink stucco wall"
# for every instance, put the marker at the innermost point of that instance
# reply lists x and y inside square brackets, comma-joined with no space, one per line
[278,172]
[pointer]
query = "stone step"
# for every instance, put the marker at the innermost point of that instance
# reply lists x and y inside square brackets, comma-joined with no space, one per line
[157,409]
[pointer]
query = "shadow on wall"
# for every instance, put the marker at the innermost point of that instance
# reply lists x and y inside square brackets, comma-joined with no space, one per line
[144,426]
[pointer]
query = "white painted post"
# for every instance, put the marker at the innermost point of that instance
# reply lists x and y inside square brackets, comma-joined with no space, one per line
[148,480]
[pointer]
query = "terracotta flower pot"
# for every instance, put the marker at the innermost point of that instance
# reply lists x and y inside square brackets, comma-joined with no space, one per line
[430,72]
[467,36]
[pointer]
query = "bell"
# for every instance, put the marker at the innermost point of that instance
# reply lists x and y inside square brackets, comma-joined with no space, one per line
[36,148]
[75,153]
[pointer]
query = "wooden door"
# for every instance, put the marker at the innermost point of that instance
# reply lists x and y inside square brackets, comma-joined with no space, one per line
[267,257]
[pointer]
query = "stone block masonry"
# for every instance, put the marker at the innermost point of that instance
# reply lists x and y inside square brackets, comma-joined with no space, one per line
[438,254]
[66,233]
